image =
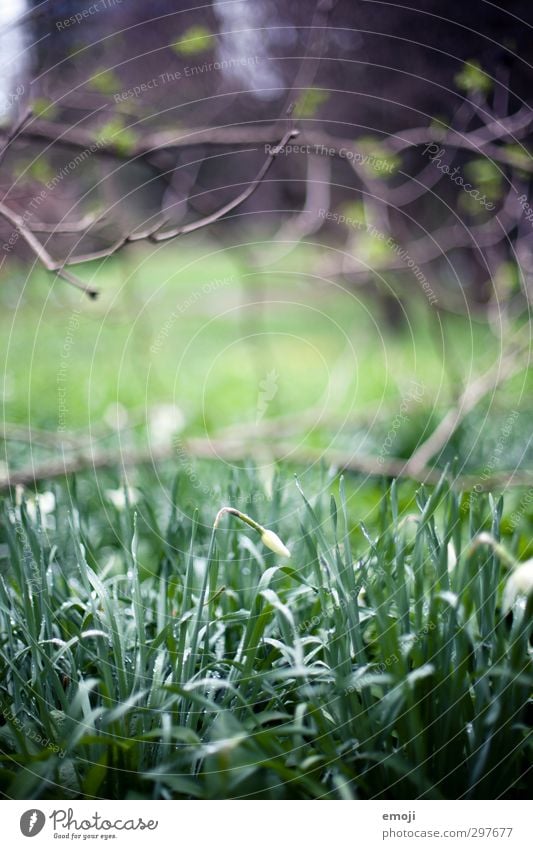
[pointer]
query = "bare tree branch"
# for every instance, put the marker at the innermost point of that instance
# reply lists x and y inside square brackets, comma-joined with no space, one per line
[152,234]
[232,451]
[476,140]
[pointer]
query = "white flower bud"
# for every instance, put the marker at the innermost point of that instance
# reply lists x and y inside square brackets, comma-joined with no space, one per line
[117,497]
[519,582]
[272,541]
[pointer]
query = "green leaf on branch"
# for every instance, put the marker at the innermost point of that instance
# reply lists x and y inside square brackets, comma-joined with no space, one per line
[115,133]
[309,102]
[472,79]
[105,82]
[197,39]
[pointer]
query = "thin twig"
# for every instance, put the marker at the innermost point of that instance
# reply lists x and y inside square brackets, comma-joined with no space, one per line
[507,367]
[65,227]
[41,253]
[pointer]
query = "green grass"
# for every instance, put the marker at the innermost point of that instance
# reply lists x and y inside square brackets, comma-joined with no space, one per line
[154,657]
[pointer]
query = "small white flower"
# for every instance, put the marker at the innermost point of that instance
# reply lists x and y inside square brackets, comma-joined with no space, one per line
[519,583]
[452,557]
[165,420]
[116,416]
[117,497]
[46,502]
[272,541]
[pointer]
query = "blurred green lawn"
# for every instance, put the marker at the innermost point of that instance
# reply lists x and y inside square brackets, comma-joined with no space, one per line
[200,327]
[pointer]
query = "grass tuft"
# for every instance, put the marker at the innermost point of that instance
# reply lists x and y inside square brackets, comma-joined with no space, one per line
[144,654]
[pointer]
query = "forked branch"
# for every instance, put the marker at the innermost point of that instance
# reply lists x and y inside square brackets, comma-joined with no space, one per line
[154,233]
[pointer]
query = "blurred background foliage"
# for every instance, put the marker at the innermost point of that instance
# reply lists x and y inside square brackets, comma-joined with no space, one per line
[302,319]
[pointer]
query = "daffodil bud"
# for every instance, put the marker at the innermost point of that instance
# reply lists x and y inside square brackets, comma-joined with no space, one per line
[268,538]
[272,541]
[519,583]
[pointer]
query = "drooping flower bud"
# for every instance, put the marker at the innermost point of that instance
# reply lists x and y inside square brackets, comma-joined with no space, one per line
[272,541]
[268,538]
[519,583]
